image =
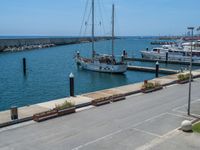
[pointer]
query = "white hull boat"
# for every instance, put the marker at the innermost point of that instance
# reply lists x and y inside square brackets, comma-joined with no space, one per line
[172,54]
[102,63]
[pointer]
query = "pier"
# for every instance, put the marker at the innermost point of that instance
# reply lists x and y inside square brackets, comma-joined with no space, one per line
[161,61]
[152,69]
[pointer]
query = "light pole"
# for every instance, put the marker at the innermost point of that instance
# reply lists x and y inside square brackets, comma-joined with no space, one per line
[190,78]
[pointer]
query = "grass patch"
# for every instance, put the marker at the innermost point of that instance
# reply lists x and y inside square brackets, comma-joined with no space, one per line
[65,105]
[196,127]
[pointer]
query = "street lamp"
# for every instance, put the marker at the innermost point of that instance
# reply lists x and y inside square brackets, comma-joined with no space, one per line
[190,78]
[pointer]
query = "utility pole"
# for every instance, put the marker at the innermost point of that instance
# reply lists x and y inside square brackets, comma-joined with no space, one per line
[113,28]
[190,78]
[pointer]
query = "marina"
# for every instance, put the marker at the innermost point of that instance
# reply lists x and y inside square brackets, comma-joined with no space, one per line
[99,75]
[57,63]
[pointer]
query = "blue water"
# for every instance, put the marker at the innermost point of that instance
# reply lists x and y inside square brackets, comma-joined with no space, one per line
[49,68]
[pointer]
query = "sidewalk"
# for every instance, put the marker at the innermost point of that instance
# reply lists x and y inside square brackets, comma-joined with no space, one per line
[26,113]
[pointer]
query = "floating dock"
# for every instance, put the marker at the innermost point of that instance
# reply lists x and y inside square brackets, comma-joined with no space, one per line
[161,61]
[152,69]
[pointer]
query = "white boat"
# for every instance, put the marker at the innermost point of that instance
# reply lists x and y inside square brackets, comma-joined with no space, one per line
[102,62]
[173,53]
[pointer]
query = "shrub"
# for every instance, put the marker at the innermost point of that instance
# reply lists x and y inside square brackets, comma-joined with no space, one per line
[182,77]
[150,85]
[65,105]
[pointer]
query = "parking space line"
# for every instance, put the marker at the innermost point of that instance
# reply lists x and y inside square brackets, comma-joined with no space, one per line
[118,131]
[177,109]
[146,132]
[181,116]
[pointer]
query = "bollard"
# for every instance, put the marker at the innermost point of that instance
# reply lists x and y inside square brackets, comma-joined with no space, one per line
[166,57]
[77,54]
[13,113]
[145,82]
[24,65]
[157,69]
[122,58]
[124,53]
[71,84]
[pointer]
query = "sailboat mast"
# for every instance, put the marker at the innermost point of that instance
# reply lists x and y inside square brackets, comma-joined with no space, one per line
[113,28]
[93,52]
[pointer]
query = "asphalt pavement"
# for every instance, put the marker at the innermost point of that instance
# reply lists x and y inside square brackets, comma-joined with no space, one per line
[142,121]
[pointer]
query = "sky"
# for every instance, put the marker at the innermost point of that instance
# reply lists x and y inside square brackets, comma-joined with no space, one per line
[64,17]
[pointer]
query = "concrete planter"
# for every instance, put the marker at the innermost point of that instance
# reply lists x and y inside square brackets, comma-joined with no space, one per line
[101,101]
[183,81]
[151,90]
[66,111]
[53,113]
[45,115]
[118,97]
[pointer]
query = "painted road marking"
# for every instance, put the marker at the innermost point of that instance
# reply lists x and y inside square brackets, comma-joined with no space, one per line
[116,132]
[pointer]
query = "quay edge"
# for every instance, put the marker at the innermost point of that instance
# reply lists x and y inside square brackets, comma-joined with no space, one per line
[26,112]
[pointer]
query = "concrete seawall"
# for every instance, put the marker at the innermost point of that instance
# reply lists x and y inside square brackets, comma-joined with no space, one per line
[31,43]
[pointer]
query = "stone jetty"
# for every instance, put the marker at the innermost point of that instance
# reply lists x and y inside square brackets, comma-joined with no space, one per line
[19,44]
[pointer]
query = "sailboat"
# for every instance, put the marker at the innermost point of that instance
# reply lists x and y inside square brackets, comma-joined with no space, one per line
[102,62]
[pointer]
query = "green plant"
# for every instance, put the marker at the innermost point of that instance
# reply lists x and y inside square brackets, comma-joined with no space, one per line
[150,85]
[65,105]
[196,127]
[182,77]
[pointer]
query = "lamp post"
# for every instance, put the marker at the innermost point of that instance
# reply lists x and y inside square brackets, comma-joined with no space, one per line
[190,78]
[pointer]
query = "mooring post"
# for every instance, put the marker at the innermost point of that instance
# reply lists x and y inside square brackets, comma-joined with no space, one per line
[122,58]
[124,53]
[71,84]
[166,57]
[24,65]
[157,69]
[13,113]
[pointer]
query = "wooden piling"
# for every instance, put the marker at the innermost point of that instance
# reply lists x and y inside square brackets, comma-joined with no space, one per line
[24,66]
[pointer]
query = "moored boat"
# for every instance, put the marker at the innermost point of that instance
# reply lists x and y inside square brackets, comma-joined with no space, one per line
[172,53]
[102,62]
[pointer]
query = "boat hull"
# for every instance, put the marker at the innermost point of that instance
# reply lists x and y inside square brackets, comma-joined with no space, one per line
[171,57]
[102,67]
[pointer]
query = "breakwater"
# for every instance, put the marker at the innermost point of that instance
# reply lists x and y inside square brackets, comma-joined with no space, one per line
[20,44]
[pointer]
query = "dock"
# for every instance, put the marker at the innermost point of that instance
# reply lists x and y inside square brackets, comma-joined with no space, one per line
[152,69]
[161,61]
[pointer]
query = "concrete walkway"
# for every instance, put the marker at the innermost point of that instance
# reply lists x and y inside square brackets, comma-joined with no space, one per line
[25,113]
[142,121]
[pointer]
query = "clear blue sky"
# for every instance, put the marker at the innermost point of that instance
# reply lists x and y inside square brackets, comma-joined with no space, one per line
[63,17]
